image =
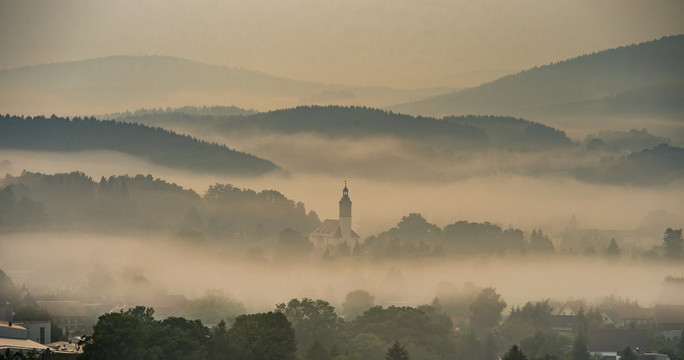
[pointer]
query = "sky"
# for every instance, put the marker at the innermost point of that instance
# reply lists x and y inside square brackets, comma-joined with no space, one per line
[395,43]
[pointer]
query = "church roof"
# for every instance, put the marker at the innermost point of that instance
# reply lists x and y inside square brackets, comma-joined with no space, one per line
[331,228]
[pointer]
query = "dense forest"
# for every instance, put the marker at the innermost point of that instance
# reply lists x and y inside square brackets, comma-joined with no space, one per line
[663,164]
[157,145]
[127,204]
[467,133]
[603,82]
[312,330]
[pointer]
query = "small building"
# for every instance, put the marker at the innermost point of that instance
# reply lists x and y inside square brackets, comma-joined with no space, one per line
[634,315]
[611,317]
[38,331]
[570,308]
[332,232]
[14,338]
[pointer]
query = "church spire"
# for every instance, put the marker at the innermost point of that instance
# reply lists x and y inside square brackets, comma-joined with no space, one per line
[345,202]
[345,215]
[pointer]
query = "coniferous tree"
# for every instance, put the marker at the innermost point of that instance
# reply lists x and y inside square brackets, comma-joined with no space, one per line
[514,354]
[397,352]
[613,249]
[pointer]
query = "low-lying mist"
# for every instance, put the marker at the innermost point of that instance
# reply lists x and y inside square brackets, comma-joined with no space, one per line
[67,260]
[523,201]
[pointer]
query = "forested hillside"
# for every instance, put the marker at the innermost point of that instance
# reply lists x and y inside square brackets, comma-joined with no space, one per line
[647,78]
[157,145]
[663,164]
[470,132]
[128,204]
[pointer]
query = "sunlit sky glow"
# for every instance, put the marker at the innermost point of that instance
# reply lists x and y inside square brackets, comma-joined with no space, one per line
[398,43]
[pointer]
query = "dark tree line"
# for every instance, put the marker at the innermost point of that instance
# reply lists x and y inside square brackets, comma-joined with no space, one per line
[465,132]
[660,165]
[415,237]
[158,145]
[143,203]
[135,334]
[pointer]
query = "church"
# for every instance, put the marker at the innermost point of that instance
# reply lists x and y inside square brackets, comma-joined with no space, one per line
[332,232]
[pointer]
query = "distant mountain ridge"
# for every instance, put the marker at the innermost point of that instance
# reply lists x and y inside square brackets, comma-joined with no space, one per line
[117,83]
[605,80]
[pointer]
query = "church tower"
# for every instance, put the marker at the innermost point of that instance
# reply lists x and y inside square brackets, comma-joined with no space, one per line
[345,215]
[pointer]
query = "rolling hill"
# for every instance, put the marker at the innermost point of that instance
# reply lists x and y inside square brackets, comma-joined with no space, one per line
[636,80]
[117,83]
[156,145]
[468,132]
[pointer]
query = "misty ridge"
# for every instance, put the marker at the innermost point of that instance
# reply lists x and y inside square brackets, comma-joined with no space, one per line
[608,77]
[385,145]
[119,82]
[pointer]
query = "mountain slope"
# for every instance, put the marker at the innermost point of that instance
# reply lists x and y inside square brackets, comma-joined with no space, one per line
[117,83]
[157,145]
[619,73]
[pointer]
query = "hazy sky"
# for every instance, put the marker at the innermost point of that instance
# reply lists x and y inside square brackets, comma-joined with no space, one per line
[401,43]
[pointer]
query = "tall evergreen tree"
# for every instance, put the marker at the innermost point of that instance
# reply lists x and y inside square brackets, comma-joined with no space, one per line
[514,354]
[397,352]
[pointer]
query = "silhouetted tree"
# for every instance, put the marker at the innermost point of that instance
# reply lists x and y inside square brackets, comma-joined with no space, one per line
[264,336]
[486,310]
[397,352]
[612,249]
[313,320]
[514,353]
[540,242]
[673,243]
[356,302]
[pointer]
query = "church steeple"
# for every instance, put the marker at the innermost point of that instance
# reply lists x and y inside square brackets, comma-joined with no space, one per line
[345,203]
[345,215]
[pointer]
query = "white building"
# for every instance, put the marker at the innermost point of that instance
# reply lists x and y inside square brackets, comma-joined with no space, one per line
[38,331]
[332,232]
[15,339]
